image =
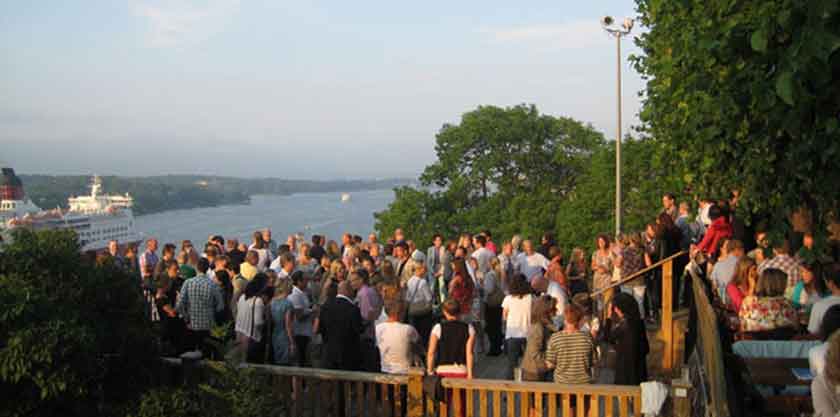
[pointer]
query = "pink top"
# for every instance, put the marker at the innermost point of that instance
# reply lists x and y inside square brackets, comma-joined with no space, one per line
[735,295]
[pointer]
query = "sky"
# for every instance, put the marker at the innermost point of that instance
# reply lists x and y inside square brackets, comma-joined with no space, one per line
[293,89]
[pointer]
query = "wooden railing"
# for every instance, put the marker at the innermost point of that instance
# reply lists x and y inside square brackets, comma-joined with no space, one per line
[667,330]
[494,398]
[311,392]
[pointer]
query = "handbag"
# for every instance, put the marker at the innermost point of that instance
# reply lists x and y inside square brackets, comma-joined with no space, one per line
[416,309]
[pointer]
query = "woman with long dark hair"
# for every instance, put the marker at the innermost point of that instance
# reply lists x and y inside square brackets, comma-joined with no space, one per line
[462,288]
[626,331]
[250,319]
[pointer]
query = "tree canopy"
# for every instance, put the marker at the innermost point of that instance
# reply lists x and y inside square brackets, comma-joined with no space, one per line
[525,173]
[72,333]
[746,95]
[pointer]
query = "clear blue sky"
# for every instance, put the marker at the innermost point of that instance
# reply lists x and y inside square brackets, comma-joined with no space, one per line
[285,88]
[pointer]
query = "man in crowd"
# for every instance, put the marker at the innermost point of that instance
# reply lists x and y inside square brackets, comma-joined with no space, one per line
[439,267]
[724,269]
[270,243]
[481,254]
[340,324]
[530,262]
[374,241]
[782,260]
[236,256]
[304,313]
[166,254]
[684,224]
[148,261]
[114,251]
[669,205]
[198,303]
[287,266]
[317,250]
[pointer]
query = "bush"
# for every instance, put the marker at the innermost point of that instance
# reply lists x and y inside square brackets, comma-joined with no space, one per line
[227,392]
[72,333]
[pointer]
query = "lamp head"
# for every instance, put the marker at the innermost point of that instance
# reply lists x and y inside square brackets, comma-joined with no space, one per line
[628,24]
[607,21]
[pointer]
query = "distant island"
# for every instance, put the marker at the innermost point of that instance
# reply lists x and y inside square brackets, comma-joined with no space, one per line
[173,192]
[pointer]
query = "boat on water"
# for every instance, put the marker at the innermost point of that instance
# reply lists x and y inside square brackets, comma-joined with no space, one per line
[345,197]
[96,218]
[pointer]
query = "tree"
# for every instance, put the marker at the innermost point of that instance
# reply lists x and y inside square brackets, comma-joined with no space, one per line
[508,150]
[746,95]
[72,333]
[503,169]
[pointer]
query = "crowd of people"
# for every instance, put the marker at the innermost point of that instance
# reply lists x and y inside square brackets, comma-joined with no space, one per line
[387,306]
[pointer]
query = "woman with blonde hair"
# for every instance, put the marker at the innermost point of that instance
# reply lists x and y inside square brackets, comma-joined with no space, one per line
[825,388]
[576,271]
[743,284]
[336,274]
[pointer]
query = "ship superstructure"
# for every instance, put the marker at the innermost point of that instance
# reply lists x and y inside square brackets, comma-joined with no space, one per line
[96,218]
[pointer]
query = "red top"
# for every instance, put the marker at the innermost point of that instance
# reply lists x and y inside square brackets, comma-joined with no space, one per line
[462,293]
[735,296]
[718,230]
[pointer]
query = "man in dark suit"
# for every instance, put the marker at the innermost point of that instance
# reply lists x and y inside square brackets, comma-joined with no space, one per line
[341,327]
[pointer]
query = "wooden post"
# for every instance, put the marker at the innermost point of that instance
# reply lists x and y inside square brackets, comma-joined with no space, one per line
[667,318]
[415,393]
[680,389]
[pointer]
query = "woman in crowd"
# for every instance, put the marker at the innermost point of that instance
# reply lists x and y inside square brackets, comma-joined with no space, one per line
[576,272]
[653,253]
[418,301]
[555,271]
[462,288]
[602,266]
[570,351]
[282,318]
[810,289]
[825,388]
[333,251]
[304,262]
[743,283]
[476,310]
[632,260]
[768,313]
[626,332]
[533,362]
[450,352]
[516,311]
[250,319]
[329,288]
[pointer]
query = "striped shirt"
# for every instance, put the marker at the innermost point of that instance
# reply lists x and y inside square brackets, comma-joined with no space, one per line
[571,356]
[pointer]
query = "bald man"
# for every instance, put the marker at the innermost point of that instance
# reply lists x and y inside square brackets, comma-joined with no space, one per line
[341,327]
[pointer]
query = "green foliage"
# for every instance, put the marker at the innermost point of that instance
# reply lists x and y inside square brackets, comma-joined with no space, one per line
[72,332]
[228,392]
[746,95]
[543,174]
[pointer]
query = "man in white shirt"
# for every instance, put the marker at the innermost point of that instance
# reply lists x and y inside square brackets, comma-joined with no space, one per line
[820,307]
[482,254]
[286,266]
[724,269]
[395,340]
[531,263]
[304,313]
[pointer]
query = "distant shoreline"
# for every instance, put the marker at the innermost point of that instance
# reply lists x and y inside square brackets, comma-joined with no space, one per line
[184,192]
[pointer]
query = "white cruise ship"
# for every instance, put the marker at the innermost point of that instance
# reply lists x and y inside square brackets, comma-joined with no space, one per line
[96,218]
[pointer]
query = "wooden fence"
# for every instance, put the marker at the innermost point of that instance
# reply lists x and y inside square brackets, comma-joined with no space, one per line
[310,392]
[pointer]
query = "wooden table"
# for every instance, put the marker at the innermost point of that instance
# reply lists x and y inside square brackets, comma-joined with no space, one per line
[776,371]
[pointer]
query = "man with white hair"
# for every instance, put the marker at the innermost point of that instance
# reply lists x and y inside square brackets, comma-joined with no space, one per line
[531,263]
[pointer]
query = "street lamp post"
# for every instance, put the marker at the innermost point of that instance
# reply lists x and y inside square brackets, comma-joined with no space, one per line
[617,31]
